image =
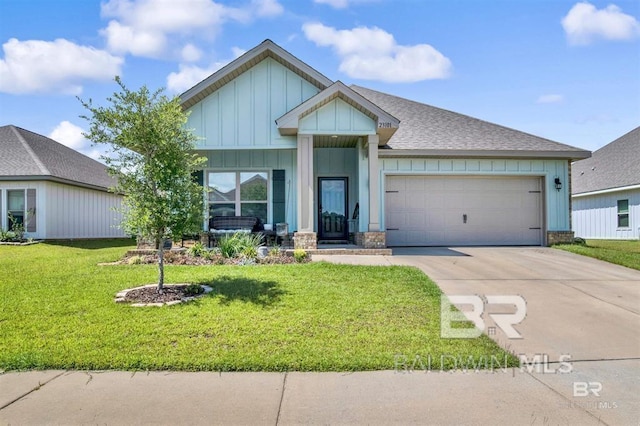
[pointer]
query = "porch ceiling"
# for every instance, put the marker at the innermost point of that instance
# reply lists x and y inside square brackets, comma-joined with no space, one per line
[340,141]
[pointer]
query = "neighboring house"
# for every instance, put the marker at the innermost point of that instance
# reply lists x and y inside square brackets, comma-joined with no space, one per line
[333,160]
[606,191]
[54,191]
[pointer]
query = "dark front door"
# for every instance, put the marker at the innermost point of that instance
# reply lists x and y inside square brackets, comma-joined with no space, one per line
[332,209]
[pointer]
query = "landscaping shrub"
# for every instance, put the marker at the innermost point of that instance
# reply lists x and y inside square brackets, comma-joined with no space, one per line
[300,255]
[197,250]
[240,244]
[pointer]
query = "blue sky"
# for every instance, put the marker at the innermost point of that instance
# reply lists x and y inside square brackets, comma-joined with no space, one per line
[565,70]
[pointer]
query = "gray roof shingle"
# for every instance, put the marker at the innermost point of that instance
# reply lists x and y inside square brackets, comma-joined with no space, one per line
[613,166]
[28,155]
[427,128]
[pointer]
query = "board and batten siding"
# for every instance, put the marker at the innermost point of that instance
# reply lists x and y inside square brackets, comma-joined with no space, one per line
[556,203]
[259,160]
[337,117]
[241,114]
[596,216]
[74,212]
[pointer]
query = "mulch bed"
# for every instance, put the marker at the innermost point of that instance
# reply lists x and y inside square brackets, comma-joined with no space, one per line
[182,258]
[151,295]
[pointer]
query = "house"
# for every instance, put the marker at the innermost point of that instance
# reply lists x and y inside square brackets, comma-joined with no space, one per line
[54,191]
[606,191]
[333,160]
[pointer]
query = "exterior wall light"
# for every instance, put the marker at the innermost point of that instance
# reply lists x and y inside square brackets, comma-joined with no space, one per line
[558,184]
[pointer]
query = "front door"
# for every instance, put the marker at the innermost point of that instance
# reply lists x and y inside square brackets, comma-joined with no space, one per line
[332,209]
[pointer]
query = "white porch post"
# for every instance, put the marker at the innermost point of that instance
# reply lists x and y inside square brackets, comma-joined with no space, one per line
[374,185]
[305,238]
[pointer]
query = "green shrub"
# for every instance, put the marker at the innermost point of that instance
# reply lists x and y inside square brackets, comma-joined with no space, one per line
[193,290]
[274,251]
[300,255]
[197,250]
[580,241]
[240,244]
[135,260]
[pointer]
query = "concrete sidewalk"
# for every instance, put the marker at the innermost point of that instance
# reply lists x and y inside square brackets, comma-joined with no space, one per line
[385,397]
[576,306]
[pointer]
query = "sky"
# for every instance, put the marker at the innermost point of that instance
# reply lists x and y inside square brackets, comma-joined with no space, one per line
[568,71]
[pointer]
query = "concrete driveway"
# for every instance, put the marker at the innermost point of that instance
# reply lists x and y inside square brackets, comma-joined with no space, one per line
[582,317]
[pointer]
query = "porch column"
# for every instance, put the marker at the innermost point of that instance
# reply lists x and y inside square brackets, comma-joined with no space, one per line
[374,185]
[305,238]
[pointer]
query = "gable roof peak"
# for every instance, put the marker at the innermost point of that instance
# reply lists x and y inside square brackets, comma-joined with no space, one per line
[266,49]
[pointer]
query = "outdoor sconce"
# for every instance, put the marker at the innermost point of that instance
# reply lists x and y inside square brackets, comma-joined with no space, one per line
[558,184]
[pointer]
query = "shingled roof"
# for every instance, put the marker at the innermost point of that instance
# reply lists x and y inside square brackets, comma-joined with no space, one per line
[25,155]
[428,130]
[614,165]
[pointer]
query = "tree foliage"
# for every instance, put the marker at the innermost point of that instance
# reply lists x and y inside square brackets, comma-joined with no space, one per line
[152,158]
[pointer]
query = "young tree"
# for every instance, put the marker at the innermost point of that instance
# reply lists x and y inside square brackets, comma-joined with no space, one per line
[152,160]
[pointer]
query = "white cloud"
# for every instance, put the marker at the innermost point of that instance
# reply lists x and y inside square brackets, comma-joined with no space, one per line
[267,8]
[341,4]
[190,53]
[190,75]
[374,54]
[336,4]
[70,135]
[552,98]
[60,66]
[149,27]
[584,23]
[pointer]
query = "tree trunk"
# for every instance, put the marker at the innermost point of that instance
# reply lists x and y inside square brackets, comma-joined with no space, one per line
[160,265]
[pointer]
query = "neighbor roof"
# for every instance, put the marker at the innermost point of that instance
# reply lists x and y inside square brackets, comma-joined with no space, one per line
[25,155]
[427,130]
[614,165]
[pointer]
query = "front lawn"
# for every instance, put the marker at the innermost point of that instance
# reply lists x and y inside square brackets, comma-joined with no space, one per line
[620,252]
[58,313]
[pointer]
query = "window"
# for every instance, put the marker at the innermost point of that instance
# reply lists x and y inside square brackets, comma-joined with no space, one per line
[15,208]
[238,194]
[623,213]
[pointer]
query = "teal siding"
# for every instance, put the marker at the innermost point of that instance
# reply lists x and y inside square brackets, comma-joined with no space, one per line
[279,163]
[556,202]
[337,117]
[242,113]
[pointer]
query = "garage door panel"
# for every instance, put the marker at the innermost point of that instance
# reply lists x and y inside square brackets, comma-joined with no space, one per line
[499,211]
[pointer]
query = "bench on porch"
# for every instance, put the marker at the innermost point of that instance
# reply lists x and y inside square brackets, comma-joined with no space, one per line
[220,226]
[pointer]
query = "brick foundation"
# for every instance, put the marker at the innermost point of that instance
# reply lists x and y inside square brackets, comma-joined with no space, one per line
[305,240]
[371,240]
[559,237]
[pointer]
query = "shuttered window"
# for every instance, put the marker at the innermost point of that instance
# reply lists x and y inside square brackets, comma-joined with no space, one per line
[238,194]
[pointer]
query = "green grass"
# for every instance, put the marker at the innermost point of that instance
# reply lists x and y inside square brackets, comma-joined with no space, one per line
[620,252]
[58,313]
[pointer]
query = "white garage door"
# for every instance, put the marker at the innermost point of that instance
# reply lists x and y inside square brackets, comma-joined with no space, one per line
[455,210]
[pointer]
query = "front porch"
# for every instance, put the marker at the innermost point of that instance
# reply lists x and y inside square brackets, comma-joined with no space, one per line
[338,134]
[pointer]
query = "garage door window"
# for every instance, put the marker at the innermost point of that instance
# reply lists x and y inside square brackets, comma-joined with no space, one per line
[623,213]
